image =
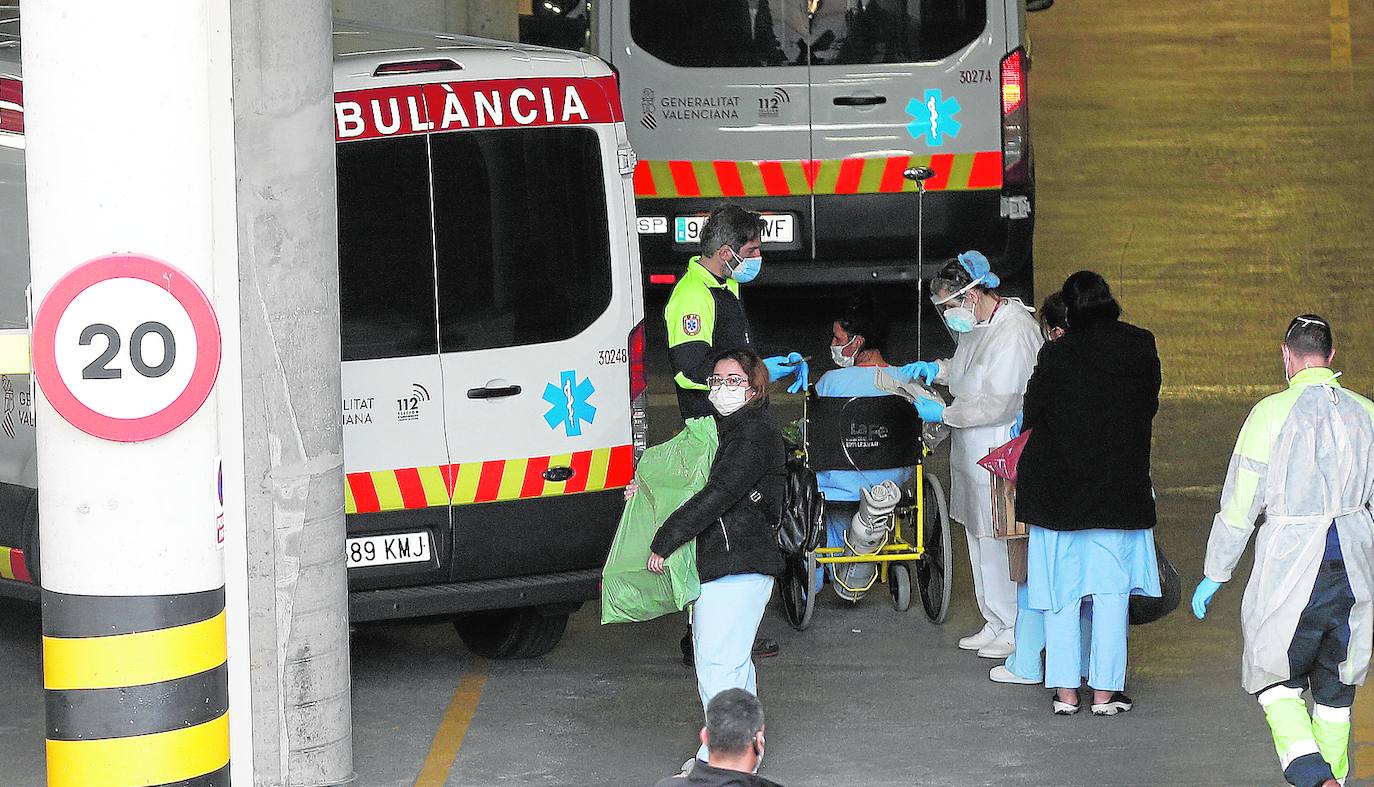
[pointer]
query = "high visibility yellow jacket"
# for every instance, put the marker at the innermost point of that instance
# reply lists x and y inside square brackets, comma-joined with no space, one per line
[704,318]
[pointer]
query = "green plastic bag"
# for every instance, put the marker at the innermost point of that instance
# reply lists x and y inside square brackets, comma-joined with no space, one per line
[668,475]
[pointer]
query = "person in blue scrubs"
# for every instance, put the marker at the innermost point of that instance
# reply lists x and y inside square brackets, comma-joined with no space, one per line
[858,338]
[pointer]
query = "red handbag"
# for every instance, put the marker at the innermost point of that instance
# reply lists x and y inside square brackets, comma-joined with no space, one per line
[1001,461]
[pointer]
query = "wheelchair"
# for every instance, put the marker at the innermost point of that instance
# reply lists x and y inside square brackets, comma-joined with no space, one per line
[871,433]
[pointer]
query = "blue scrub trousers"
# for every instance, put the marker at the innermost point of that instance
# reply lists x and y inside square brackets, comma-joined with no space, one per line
[1027,660]
[725,621]
[1106,648]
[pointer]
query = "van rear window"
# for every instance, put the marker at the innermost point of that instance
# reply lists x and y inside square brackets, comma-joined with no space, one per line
[386,256]
[521,236]
[758,33]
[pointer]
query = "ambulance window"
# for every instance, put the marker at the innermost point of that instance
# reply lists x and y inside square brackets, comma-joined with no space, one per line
[386,256]
[521,233]
[718,33]
[894,31]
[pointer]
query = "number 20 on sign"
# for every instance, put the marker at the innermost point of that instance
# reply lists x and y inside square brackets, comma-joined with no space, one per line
[126,347]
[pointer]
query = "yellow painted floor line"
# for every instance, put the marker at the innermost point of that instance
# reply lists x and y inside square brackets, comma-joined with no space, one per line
[448,739]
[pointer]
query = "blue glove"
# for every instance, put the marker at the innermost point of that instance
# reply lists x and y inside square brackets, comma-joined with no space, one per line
[780,366]
[1016,427]
[1203,596]
[925,370]
[803,378]
[930,410]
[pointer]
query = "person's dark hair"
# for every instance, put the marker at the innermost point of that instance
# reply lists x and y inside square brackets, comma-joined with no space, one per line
[733,718]
[753,367]
[1309,334]
[863,317]
[1052,312]
[729,225]
[1088,300]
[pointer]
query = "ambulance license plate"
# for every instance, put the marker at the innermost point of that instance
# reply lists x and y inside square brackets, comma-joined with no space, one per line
[777,228]
[389,549]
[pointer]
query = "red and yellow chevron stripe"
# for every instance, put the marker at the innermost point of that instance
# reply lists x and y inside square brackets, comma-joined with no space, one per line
[953,172]
[486,482]
[14,566]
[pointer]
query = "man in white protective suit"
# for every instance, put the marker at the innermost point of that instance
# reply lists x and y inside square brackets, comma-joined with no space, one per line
[1305,460]
[997,341]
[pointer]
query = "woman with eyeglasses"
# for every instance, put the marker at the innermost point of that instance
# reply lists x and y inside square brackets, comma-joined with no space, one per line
[731,519]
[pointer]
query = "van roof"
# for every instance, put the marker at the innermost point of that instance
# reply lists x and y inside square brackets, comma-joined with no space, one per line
[359,48]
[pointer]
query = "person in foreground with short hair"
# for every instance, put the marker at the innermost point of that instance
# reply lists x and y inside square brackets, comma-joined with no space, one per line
[733,739]
[1305,460]
[1083,487]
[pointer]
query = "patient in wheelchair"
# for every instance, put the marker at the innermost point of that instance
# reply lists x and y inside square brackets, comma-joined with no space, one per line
[850,456]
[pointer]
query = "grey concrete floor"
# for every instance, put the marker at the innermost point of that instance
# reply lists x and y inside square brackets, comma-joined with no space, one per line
[1210,157]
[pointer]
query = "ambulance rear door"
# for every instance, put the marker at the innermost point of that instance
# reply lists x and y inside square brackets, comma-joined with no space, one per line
[896,83]
[716,107]
[395,452]
[536,309]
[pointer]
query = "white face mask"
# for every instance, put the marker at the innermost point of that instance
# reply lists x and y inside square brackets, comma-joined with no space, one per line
[728,400]
[837,354]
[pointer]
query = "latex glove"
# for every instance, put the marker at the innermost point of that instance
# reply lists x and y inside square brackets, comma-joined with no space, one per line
[780,366]
[803,378]
[1016,427]
[930,410]
[1203,596]
[925,370]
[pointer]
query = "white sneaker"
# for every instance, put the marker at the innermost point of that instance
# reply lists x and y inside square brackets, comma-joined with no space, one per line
[977,641]
[1000,674]
[997,649]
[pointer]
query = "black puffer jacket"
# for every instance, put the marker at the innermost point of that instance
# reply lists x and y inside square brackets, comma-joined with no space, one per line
[1089,407]
[732,517]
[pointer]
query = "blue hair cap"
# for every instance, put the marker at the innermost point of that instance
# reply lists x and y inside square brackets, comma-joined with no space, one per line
[977,266]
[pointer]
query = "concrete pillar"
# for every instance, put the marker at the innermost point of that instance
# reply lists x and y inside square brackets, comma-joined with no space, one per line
[497,19]
[135,670]
[291,437]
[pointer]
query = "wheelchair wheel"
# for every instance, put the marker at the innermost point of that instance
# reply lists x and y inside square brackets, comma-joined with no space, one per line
[934,574]
[797,588]
[899,585]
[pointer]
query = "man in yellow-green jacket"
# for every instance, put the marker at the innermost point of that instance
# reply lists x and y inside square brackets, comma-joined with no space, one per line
[1305,460]
[704,315]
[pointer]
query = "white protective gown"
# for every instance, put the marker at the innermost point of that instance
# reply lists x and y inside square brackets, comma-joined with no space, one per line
[1304,459]
[987,377]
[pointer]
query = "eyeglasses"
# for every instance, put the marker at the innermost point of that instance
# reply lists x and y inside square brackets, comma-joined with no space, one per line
[730,381]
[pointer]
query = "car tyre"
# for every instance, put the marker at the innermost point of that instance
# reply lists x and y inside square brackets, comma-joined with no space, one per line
[522,633]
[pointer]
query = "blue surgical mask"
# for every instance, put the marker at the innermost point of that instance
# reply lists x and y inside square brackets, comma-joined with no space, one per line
[747,268]
[960,319]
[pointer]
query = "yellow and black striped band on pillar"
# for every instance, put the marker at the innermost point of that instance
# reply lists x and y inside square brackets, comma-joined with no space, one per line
[137,690]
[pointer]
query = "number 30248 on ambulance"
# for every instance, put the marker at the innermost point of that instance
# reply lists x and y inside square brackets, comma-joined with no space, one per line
[491,333]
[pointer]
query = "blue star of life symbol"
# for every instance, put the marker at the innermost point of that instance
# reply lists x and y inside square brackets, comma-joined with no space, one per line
[933,117]
[570,404]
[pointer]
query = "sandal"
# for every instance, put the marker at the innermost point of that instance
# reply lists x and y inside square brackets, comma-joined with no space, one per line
[1062,708]
[1119,703]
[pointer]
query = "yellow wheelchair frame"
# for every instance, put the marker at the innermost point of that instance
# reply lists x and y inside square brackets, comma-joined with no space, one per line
[920,535]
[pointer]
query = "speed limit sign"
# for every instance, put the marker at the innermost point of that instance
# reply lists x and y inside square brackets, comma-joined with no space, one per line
[126,347]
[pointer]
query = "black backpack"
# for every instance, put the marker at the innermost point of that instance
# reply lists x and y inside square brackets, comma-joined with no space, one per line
[801,526]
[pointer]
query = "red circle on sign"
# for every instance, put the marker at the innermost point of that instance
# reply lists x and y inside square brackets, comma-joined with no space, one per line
[161,275]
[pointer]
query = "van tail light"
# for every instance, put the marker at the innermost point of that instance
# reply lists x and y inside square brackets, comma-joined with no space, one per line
[1015,120]
[639,392]
[11,105]
[417,67]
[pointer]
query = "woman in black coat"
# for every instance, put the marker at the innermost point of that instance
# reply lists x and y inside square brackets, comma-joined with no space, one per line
[732,520]
[1083,486]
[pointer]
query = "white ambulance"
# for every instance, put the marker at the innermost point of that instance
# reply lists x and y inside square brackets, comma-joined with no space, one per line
[809,111]
[492,333]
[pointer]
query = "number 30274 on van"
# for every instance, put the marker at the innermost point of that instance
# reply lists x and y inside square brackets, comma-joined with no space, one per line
[492,333]
[809,111]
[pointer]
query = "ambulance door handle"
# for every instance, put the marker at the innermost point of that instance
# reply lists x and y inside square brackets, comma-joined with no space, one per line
[493,393]
[859,101]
